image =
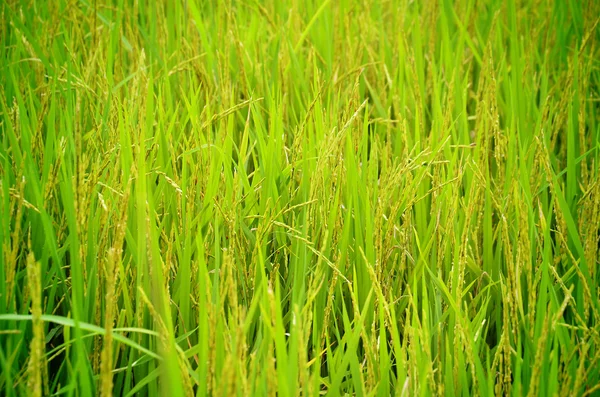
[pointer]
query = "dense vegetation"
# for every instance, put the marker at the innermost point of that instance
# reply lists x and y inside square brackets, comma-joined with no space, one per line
[347,197]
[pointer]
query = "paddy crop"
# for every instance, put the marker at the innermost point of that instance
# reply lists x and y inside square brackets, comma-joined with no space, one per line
[349,197]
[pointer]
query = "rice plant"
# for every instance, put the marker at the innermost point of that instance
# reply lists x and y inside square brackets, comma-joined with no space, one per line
[302,197]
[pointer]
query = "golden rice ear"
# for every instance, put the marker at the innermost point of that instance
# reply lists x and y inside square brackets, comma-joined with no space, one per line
[36,368]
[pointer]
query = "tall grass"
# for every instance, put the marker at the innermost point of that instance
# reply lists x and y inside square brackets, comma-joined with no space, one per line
[346,197]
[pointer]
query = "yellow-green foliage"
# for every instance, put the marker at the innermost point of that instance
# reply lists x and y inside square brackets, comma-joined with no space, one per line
[260,197]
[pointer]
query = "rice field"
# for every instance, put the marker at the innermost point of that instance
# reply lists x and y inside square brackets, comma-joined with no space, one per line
[301,197]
